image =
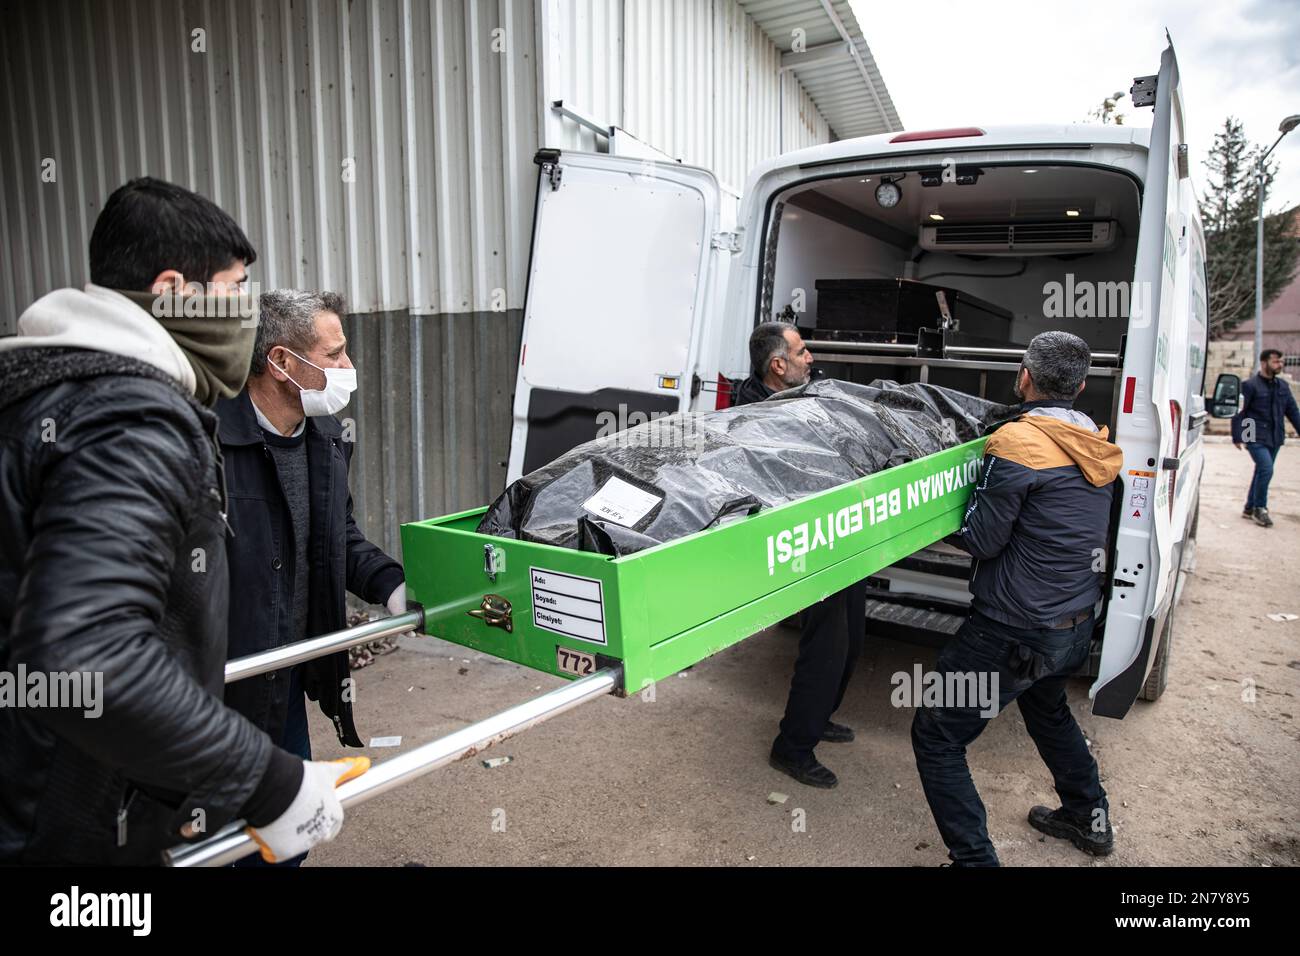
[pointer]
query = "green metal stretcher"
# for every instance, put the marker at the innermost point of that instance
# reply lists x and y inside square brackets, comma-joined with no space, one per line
[616,625]
[655,612]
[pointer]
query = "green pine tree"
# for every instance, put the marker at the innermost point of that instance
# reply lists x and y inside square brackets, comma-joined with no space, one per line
[1228,212]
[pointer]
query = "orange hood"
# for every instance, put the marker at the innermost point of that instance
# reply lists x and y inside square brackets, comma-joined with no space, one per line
[1097,458]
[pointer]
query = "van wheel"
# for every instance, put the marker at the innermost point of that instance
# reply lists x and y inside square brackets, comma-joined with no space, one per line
[1158,679]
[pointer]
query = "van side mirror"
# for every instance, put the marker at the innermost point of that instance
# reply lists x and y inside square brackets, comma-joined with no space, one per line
[1227,396]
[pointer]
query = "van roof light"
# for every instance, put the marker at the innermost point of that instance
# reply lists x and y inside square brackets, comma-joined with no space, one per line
[955,132]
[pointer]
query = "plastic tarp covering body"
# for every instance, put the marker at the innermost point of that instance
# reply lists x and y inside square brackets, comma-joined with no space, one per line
[675,475]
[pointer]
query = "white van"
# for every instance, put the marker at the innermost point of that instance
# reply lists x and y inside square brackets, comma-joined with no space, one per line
[921,256]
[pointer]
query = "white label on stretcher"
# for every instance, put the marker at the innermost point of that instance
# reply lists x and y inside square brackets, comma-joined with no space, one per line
[568,605]
[621,503]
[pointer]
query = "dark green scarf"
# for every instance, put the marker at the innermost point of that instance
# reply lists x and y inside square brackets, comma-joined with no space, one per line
[215,332]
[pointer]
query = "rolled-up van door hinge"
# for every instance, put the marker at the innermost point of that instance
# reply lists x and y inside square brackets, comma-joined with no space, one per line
[1143,91]
[730,241]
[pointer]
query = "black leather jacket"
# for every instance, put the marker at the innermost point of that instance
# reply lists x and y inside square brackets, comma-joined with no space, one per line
[113,563]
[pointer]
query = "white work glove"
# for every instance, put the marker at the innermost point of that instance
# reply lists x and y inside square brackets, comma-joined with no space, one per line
[315,816]
[396,602]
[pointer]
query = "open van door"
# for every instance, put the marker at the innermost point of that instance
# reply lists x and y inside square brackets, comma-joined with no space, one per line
[622,249]
[1144,566]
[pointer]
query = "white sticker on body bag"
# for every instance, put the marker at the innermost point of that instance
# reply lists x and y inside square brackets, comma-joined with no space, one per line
[621,503]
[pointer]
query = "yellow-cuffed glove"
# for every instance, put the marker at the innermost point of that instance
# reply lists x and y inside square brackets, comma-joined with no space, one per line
[315,815]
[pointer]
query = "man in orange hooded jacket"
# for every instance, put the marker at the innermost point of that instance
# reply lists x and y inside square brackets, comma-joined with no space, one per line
[1037,526]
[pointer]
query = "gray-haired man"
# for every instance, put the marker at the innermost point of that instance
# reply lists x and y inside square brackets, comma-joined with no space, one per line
[833,628]
[1035,523]
[295,547]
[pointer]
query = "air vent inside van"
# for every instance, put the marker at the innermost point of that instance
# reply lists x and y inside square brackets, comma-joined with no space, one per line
[1022,238]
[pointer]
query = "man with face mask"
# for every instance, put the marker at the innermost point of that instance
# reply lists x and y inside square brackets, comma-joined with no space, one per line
[295,546]
[833,628]
[113,581]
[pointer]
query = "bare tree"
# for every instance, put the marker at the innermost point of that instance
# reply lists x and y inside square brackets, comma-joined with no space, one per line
[1107,112]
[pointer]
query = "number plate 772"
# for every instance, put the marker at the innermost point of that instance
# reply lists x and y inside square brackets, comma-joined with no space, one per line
[575,662]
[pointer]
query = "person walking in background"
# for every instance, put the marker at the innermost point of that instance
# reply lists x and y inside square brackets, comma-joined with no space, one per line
[1267,404]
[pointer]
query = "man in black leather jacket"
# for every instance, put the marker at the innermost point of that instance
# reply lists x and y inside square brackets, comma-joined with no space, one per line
[112,554]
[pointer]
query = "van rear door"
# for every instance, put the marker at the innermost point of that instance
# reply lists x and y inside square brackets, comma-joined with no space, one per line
[621,254]
[1149,424]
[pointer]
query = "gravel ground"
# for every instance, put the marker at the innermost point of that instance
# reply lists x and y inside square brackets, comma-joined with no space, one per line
[1208,775]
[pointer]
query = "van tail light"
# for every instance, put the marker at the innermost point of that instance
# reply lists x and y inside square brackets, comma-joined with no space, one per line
[1129,384]
[724,393]
[956,132]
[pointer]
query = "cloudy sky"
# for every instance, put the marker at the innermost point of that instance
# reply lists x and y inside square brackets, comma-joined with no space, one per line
[950,63]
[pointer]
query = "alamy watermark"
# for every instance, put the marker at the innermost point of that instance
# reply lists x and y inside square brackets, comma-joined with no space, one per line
[664,430]
[56,690]
[1086,299]
[76,908]
[209,301]
[956,689]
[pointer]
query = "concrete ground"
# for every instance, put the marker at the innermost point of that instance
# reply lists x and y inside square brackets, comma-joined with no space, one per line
[1208,775]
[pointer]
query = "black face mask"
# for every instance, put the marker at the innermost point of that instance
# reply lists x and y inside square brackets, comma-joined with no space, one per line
[216,333]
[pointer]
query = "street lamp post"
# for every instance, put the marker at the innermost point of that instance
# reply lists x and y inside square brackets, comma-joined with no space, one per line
[1288,124]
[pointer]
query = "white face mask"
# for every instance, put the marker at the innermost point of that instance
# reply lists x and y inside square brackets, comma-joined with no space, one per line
[340,383]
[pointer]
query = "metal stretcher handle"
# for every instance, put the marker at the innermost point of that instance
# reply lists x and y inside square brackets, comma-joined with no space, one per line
[232,843]
[313,647]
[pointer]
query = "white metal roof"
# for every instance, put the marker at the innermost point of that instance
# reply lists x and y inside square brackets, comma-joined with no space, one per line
[835,65]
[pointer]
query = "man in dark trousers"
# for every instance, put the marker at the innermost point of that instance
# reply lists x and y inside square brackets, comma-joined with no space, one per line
[295,547]
[833,628]
[1036,525]
[1267,403]
[113,555]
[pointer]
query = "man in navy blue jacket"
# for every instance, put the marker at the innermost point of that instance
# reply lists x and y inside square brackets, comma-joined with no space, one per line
[1267,403]
[1035,525]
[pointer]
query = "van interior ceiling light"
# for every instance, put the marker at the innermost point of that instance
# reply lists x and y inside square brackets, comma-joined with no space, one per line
[937,217]
[1072,212]
[888,194]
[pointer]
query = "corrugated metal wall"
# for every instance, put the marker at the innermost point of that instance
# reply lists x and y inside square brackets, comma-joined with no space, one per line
[381,148]
[697,79]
